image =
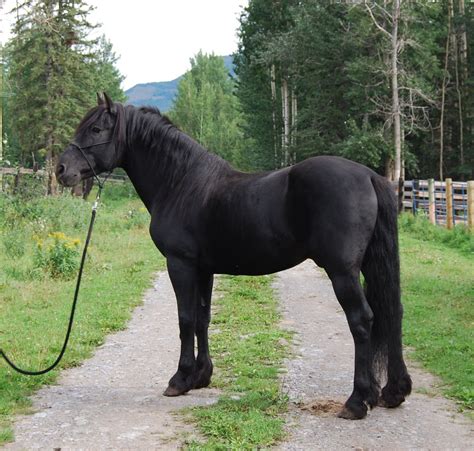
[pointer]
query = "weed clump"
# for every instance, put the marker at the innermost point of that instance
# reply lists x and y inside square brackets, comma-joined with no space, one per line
[58,256]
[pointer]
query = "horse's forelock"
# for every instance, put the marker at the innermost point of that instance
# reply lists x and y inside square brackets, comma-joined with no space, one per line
[90,118]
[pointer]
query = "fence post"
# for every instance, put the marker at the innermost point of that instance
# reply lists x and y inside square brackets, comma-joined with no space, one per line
[431,201]
[449,203]
[470,204]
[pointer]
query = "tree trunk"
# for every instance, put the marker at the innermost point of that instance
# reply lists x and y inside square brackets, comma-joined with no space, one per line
[461,79]
[286,121]
[463,45]
[50,154]
[50,166]
[294,122]
[395,93]
[443,93]
[458,91]
[274,123]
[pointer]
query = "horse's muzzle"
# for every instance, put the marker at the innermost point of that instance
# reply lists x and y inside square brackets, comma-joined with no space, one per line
[66,176]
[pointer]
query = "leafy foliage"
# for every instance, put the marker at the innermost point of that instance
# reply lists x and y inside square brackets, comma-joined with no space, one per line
[336,59]
[206,108]
[59,257]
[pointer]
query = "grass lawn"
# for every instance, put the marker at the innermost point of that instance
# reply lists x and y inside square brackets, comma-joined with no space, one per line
[34,307]
[438,295]
[248,348]
[247,343]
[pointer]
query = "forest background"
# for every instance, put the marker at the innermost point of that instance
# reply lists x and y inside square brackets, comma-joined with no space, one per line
[387,83]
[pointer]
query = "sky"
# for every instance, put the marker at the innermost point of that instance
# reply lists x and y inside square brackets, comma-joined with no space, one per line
[156,38]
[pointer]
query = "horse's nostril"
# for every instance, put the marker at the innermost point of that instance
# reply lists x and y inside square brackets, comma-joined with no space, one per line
[61,169]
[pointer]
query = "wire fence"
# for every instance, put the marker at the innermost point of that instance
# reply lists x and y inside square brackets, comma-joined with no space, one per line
[446,203]
[14,179]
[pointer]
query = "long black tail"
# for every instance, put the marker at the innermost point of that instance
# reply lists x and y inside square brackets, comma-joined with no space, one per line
[381,269]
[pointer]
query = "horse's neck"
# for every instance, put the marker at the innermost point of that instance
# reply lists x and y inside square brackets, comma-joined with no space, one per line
[159,168]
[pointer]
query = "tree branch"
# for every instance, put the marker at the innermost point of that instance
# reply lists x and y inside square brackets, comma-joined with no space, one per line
[374,20]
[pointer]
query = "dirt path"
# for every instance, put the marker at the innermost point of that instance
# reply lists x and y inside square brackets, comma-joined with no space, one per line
[114,401]
[319,379]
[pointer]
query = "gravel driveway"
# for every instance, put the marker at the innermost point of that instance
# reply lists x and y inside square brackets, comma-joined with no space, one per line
[113,401]
[319,379]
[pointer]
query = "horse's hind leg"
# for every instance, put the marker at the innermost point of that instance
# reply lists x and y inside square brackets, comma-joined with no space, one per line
[399,382]
[203,362]
[360,317]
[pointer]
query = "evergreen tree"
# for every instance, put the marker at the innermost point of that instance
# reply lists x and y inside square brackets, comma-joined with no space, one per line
[206,108]
[264,85]
[107,77]
[53,71]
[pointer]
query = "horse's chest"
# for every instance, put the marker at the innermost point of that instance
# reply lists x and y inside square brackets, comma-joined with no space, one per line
[171,237]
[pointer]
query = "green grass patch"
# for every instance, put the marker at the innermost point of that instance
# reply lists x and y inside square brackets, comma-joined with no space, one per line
[420,227]
[438,295]
[248,348]
[35,306]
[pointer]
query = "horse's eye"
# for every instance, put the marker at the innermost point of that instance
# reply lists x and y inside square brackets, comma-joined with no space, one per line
[96,129]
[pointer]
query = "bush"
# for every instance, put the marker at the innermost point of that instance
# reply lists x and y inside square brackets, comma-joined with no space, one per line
[58,257]
[137,217]
[118,191]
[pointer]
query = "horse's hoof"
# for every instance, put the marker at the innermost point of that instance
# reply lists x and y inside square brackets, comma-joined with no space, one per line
[203,377]
[390,402]
[350,414]
[394,394]
[173,391]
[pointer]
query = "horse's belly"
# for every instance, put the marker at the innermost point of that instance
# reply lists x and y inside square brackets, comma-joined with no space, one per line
[254,259]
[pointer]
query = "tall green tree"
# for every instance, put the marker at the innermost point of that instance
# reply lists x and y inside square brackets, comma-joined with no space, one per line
[265,88]
[364,80]
[206,108]
[53,69]
[107,77]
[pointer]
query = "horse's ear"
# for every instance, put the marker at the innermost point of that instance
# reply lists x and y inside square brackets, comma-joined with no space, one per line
[110,105]
[100,99]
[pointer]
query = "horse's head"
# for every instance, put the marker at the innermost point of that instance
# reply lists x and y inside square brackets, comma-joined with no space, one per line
[96,146]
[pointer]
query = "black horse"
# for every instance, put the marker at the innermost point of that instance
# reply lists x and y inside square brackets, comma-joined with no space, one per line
[208,218]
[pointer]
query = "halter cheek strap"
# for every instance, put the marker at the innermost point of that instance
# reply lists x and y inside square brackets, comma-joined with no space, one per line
[81,149]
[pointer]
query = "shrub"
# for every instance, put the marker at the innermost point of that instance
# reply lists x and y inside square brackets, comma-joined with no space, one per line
[58,256]
[137,217]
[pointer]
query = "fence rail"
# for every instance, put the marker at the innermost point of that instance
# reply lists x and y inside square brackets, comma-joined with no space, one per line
[18,173]
[447,203]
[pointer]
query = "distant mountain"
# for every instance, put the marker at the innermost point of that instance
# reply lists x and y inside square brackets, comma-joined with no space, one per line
[161,94]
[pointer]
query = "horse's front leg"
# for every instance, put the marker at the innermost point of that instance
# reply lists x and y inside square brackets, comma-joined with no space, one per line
[185,281]
[204,364]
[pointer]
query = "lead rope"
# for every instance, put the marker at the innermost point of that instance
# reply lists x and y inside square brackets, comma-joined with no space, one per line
[79,277]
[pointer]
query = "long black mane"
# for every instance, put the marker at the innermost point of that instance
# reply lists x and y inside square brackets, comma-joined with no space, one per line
[169,152]
[156,131]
